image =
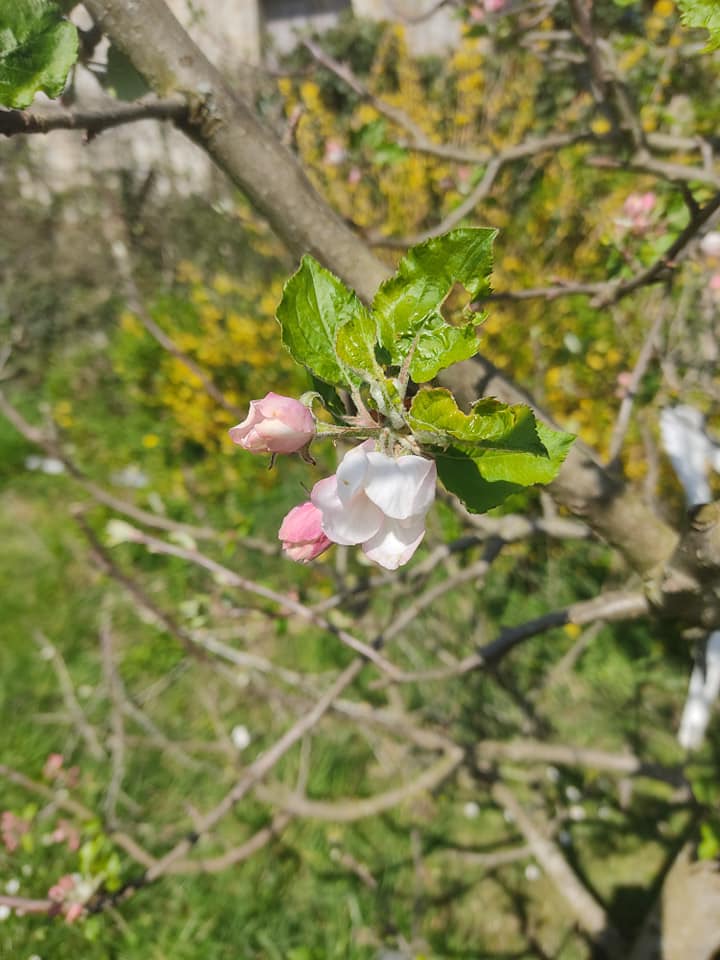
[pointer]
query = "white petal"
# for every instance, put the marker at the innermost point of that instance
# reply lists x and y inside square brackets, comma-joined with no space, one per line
[352,472]
[402,488]
[345,523]
[395,542]
[690,450]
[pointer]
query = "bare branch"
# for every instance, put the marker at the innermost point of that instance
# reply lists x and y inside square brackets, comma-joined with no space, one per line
[230,578]
[347,811]
[536,751]
[587,911]
[117,739]
[641,364]
[67,688]
[94,120]
[259,769]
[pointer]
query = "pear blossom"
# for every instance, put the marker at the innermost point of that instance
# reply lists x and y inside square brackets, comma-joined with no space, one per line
[378,501]
[302,534]
[275,424]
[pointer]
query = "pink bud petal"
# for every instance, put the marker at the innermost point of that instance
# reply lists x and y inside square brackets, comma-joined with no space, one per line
[275,424]
[302,535]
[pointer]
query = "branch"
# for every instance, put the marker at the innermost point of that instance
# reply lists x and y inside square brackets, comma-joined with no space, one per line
[587,911]
[257,770]
[347,811]
[92,120]
[63,802]
[76,712]
[230,578]
[36,436]
[536,751]
[641,364]
[117,739]
[608,606]
[421,143]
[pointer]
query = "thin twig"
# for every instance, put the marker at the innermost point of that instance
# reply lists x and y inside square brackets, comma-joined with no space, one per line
[117,738]
[623,418]
[72,704]
[536,751]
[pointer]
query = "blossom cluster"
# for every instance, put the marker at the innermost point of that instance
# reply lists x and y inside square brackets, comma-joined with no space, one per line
[376,500]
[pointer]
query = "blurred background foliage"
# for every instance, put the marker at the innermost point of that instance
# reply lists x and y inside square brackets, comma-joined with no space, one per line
[209,274]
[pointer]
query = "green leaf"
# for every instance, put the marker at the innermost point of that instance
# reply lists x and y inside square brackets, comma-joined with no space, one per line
[460,475]
[121,77]
[407,305]
[356,343]
[314,306]
[493,451]
[37,49]
[330,398]
[709,846]
[703,14]
[489,425]
[438,345]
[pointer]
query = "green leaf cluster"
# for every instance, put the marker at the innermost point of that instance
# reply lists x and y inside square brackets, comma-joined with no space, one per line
[703,14]
[327,328]
[484,456]
[37,49]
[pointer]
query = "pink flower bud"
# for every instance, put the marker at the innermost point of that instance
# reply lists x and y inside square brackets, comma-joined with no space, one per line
[275,424]
[302,534]
[74,912]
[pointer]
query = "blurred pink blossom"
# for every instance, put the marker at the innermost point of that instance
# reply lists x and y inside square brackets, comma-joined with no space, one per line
[335,153]
[714,286]
[636,211]
[53,766]
[59,891]
[12,830]
[66,832]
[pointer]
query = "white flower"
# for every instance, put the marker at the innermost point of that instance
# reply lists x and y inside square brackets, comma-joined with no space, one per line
[377,501]
[240,736]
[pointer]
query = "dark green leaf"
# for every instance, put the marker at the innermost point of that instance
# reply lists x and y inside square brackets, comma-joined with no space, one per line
[460,475]
[493,451]
[37,49]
